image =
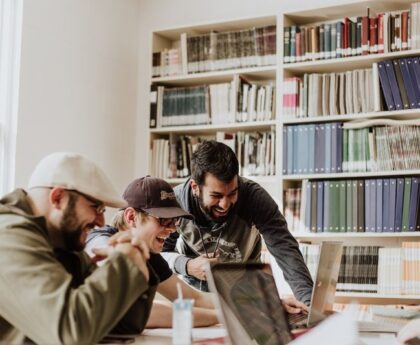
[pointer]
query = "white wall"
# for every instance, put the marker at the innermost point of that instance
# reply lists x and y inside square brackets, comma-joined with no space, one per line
[85,72]
[78,85]
[166,14]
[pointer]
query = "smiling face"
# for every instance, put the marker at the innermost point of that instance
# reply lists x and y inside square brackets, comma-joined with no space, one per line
[216,197]
[79,217]
[149,229]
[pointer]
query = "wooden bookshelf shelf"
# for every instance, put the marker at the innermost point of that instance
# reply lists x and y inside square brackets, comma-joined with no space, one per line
[361,175]
[238,126]
[259,179]
[252,73]
[172,34]
[347,235]
[397,115]
[344,64]
[372,298]
[175,181]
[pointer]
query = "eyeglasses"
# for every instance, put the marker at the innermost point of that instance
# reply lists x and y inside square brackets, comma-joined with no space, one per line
[98,206]
[166,222]
[169,222]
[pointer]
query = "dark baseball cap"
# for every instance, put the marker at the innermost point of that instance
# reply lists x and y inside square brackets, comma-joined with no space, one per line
[154,196]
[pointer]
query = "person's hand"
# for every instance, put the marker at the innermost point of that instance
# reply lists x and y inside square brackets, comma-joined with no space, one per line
[131,246]
[123,236]
[197,267]
[293,306]
[410,330]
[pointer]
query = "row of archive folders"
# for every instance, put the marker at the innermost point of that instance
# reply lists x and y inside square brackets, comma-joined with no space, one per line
[359,205]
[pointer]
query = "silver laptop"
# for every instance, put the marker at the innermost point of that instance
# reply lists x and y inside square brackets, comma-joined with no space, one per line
[248,304]
[323,292]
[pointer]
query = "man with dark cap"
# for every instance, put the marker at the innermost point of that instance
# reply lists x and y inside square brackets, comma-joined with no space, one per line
[152,215]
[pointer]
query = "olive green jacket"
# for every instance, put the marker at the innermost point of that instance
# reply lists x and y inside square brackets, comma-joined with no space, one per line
[42,302]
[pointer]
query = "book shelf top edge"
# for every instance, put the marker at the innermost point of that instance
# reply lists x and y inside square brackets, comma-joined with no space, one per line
[405,234]
[347,175]
[220,26]
[261,72]
[354,9]
[345,63]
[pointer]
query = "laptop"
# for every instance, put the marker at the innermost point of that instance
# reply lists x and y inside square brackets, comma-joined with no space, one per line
[323,292]
[248,304]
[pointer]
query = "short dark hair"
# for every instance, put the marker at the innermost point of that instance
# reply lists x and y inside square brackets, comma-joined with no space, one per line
[214,158]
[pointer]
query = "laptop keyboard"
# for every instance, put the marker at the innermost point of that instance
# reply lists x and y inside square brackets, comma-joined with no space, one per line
[297,319]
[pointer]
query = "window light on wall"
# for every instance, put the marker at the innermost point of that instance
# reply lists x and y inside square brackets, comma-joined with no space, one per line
[10,43]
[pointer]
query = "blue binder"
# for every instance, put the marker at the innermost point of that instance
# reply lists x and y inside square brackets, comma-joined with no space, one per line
[399,205]
[396,96]
[413,68]
[413,204]
[385,86]
[408,83]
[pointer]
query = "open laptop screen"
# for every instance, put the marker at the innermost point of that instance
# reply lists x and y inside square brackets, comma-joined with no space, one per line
[251,308]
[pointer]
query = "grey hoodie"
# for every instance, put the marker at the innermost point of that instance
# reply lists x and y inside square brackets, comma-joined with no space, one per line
[254,214]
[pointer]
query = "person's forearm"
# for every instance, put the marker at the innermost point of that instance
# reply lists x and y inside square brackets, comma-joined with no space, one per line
[204,300]
[204,317]
[161,316]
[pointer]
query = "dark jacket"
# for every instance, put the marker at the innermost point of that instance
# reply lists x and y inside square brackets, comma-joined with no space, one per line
[254,214]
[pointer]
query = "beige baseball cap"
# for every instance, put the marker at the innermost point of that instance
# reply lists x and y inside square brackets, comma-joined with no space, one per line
[75,172]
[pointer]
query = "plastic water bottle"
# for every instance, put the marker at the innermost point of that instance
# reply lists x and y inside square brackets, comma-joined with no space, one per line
[182,320]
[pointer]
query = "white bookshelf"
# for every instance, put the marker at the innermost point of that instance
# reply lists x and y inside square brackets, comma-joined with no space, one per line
[276,184]
[169,38]
[298,69]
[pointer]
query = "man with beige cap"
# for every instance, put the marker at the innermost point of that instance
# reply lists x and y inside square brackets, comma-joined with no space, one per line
[52,292]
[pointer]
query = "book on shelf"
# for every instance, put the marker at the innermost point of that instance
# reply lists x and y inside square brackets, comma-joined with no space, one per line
[357,205]
[214,51]
[292,207]
[339,147]
[153,106]
[235,101]
[373,269]
[166,63]
[391,85]
[255,152]
[335,93]
[352,36]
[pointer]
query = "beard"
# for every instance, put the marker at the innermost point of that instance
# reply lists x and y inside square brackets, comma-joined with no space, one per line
[208,211]
[70,229]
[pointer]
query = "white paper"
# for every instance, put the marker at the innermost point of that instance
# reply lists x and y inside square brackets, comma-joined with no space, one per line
[197,333]
[337,329]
